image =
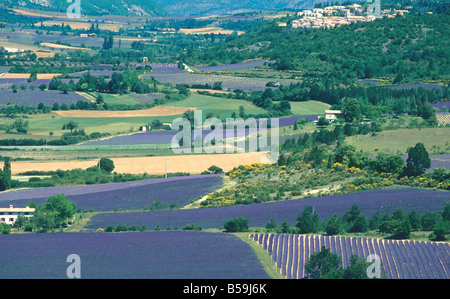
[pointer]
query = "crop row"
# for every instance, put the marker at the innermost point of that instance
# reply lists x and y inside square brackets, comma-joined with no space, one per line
[398,258]
[139,255]
[369,202]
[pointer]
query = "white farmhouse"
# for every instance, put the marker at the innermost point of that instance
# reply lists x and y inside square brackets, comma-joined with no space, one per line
[9,215]
[332,115]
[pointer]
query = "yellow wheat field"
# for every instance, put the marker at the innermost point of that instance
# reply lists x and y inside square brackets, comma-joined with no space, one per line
[193,164]
[26,76]
[155,111]
[58,46]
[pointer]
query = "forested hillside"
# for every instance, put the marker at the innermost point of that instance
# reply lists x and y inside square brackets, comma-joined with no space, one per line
[418,6]
[95,8]
[410,48]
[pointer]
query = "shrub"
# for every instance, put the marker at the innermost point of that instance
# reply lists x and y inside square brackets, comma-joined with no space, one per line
[107,164]
[237,224]
[192,226]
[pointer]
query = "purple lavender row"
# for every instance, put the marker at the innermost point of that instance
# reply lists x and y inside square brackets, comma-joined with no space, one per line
[233,66]
[399,260]
[259,215]
[45,192]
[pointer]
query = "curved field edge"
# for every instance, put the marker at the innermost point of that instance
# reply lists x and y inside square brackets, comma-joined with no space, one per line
[260,214]
[262,255]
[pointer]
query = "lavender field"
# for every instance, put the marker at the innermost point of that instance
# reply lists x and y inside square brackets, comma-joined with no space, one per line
[234,66]
[228,82]
[135,195]
[440,106]
[426,86]
[165,137]
[141,255]
[33,98]
[437,161]
[399,259]
[259,215]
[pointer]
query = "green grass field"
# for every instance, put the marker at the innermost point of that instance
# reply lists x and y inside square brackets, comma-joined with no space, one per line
[42,125]
[436,141]
[222,107]
[309,107]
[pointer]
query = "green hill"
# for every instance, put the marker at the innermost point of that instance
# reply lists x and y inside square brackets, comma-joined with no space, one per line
[411,48]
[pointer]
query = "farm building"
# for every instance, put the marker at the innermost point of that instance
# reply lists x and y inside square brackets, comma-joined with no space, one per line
[330,115]
[9,215]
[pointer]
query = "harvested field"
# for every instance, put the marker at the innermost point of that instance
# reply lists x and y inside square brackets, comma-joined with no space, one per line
[193,164]
[58,46]
[39,14]
[26,76]
[155,111]
[44,54]
[82,25]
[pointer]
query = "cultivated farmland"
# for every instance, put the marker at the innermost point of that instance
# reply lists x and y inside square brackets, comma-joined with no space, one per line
[260,214]
[399,259]
[193,164]
[397,141]
[228,82]
[34,98]
[234,66]
[150,255]
[217,106]
[135,195]
[156,111]
[443,119]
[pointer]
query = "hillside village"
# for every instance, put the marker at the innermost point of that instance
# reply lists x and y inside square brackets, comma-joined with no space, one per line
[337,15]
